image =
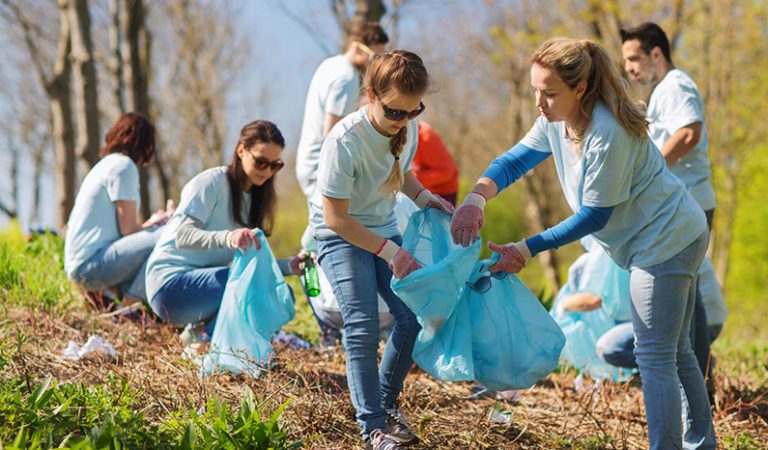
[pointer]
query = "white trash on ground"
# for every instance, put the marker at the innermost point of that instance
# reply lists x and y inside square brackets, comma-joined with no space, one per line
[96,345]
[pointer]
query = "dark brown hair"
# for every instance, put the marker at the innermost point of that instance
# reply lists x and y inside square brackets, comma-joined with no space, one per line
[650,36]
[133,135]
[368,33]
[396,72]
[264,197]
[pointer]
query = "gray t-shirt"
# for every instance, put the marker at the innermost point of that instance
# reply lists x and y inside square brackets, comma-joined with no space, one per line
[93,221]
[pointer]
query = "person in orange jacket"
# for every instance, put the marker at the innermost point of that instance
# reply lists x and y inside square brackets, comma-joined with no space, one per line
[434,166]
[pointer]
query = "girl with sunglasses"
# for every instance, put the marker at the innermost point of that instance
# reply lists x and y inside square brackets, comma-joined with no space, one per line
[364,162]
[621,192]
[188,269]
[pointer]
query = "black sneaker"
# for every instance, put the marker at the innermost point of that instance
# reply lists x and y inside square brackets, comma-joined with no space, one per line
[398,428]
[380,440]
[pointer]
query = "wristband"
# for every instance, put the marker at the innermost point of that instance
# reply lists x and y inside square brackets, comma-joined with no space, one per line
[475,199]
[387,250]
[522,247]
[422,198]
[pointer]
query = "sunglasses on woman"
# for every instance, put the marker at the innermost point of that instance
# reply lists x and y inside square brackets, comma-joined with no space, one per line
[262,163]
[397,115]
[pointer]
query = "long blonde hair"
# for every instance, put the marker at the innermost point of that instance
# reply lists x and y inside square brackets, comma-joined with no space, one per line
[396,72]
[575,61]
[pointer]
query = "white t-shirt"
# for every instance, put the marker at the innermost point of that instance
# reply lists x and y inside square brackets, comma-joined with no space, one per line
[93,221]
[653,217]
[354,162]
[207,198]
[675,103]
[334,89]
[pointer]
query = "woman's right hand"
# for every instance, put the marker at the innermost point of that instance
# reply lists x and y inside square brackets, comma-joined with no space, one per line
[242,238]
[468,219]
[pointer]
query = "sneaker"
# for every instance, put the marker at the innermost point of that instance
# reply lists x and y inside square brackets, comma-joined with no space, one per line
[380,440]
[398,429]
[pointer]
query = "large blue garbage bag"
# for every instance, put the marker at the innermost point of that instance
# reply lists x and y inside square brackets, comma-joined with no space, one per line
[257,302]
[502,338]
[602,277]
[583,329]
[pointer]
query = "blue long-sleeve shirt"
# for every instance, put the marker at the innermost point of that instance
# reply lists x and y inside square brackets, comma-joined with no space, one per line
[509,167]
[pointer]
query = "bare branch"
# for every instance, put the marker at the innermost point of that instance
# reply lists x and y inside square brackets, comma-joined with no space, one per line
[299,20]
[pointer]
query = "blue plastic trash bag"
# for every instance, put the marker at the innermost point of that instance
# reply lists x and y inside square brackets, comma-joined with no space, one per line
[583,329]
[257,302]
[499,335]
[602,277]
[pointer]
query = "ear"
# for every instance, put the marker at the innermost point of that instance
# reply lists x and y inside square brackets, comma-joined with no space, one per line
[371,96]
[240,149]
[581,88]
[657,54]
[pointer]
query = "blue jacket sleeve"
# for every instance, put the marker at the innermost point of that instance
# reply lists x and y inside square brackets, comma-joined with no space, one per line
[587,220]
[513,164]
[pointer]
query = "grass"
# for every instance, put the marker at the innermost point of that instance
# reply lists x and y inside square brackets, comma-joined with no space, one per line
[150,398]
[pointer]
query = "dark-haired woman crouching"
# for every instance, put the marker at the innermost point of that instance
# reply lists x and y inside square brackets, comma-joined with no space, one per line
[105,247]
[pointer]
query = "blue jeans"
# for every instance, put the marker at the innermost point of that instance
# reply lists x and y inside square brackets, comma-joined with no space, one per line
[192,297]
[663,299]
[120,264]
[356,275]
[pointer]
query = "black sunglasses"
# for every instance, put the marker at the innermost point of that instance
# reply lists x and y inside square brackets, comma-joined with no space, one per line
[397,115]
[262,163]
[480,279]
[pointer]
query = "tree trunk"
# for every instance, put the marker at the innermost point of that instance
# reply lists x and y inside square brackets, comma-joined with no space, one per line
[61,114]
[116,55]
[86,95]
[135,70]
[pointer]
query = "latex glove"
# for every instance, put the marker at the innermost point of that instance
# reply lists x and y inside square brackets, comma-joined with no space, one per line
[513,256]
[242,238]
[427,199]
[468,219]
[400,261]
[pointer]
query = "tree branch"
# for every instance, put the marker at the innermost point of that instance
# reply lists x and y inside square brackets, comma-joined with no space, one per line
[299,20]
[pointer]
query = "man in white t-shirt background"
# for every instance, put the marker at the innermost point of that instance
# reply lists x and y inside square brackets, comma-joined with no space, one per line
[333,93]
[676,126]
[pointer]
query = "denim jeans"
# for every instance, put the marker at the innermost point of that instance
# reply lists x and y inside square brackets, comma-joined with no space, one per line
[192,297]
[120,264]
[616,346]
[663,298]
[356,275]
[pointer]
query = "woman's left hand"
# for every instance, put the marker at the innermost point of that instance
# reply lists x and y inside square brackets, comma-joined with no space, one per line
[513,256]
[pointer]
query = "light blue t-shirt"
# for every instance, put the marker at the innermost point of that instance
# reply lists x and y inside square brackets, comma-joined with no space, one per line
[93,221]
[334,89]
[207,198]
[354,162]
[675,103]
[653,217]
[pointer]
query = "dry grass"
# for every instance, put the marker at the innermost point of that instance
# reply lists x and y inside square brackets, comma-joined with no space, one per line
[550,415]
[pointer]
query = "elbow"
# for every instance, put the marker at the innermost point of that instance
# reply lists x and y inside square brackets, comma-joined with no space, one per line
[334,222]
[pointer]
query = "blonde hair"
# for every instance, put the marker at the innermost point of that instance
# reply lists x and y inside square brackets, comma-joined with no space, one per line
[396,72]
[575,61]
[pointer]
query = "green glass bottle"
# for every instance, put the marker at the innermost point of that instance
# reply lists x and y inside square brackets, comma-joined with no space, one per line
[310,277]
